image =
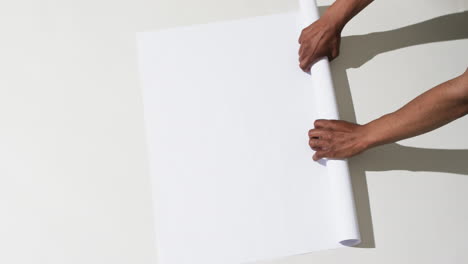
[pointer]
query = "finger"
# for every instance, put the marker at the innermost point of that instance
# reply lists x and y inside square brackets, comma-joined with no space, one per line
[316,133]
[310,57]
[333,124]
[324,153]
[318,155]
[314,53]
[301,36]
[317,143]
[301,48]
[320,123]
[303,65]
[305,62]
[328,124]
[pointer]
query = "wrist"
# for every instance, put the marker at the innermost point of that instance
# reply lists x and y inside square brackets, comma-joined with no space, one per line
[379,131]
[335,20]
[368,136]
[342,11]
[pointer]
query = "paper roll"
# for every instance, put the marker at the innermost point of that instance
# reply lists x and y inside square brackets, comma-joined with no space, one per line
[347,229]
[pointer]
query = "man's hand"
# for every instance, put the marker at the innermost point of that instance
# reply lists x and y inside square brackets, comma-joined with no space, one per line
[337,139]
[320,39]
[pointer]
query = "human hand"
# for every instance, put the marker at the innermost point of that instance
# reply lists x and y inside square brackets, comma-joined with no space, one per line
[321,39]
[337,139]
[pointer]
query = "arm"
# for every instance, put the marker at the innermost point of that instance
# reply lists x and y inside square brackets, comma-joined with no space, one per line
[322,38]
[432,109]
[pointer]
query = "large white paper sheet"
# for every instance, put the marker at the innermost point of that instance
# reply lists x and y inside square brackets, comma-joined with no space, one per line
[227,111]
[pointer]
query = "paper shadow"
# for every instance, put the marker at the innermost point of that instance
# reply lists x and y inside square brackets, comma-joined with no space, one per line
[355,52]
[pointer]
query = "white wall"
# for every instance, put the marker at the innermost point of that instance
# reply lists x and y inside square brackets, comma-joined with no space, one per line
[74,185]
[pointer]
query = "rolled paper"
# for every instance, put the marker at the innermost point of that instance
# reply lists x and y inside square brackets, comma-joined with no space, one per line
[347,228]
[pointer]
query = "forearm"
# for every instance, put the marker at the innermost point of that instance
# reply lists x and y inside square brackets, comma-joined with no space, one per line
[434,108]
[342,11]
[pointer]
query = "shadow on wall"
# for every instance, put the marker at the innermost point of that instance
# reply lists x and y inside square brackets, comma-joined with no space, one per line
[355,52]
[398,157]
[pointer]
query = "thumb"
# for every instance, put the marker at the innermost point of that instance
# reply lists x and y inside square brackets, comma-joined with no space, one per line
[318,155]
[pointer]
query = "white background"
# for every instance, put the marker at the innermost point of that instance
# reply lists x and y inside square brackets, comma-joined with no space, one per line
[74,183]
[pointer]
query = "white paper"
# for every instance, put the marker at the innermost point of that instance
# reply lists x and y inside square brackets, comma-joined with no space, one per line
[227,111]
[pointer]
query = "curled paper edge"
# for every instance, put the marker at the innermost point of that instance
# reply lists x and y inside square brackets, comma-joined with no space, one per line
[342,198]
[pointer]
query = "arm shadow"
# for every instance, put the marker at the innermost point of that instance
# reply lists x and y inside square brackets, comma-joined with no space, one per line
[355,52]
[359,49]
[398,157]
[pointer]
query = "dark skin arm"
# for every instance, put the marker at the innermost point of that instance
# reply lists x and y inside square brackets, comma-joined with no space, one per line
[340,139]
[322,38]
[432,109]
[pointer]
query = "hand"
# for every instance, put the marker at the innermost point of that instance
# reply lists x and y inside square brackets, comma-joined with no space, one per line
[320,39]
[337,139]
